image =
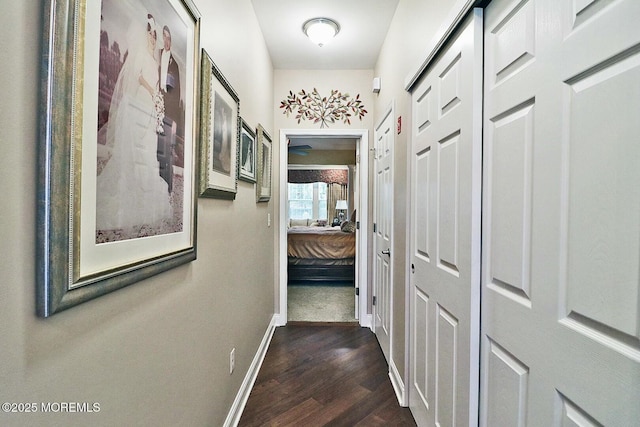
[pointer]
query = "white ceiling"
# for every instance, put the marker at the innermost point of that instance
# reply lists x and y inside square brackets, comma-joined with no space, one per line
[364,25]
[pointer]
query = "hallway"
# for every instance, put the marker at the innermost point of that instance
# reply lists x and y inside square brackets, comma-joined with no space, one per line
[515,170]
[320,375]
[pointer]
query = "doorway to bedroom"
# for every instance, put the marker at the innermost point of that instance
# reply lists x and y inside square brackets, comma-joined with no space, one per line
[321,249]
[320,243]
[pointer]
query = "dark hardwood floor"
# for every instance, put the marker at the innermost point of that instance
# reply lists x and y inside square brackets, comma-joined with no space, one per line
[316,375]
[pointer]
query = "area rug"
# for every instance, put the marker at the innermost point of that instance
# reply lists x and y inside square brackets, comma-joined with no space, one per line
[317,303]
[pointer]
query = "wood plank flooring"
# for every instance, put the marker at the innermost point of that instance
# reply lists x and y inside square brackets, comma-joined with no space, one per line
[316,375]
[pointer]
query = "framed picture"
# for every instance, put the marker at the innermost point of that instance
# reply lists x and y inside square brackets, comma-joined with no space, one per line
[247,153]
[219,133]
[117,185]
[263,187]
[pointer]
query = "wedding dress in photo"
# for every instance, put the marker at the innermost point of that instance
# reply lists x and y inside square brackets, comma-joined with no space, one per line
[130,191]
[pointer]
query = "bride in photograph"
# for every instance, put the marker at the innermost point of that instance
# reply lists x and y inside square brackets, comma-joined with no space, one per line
[130,191]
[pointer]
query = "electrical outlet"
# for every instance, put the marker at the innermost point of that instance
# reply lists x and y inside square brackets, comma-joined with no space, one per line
[232,360]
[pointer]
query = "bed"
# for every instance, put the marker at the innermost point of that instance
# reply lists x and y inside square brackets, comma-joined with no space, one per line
[321,254]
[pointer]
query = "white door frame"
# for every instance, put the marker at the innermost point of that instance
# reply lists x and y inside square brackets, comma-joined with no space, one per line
[361,205]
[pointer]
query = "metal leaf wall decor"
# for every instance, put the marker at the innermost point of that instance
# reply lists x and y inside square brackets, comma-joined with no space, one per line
[325,110]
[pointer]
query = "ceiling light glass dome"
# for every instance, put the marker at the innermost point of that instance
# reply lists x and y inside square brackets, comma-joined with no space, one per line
[321,30]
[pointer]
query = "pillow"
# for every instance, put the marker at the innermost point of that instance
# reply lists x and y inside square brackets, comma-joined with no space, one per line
[348,227]
[299,222]
[322,223]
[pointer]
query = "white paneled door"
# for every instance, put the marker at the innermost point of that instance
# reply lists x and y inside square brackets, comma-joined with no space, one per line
[561,214]
[382,213]
[445,228]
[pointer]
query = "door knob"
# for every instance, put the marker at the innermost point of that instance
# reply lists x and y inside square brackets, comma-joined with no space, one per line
[387,252]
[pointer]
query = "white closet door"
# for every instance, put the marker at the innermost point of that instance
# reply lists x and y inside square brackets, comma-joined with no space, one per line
[445,248]
[561,214]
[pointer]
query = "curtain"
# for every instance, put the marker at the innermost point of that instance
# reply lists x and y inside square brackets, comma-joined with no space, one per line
[330,176]
[336,192]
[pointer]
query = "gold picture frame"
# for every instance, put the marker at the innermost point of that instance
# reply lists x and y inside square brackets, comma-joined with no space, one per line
[219,133]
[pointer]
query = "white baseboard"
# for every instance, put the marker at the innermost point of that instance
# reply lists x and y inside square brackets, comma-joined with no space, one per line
[366,321]
[398,384]
[279,319]
[233,417]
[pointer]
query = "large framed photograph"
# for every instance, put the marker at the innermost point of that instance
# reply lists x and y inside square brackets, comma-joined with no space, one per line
[247,153]
[117,187]
[219,133]
[263,186]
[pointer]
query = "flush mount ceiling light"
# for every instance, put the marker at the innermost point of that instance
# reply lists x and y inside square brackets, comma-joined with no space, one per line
[321,30]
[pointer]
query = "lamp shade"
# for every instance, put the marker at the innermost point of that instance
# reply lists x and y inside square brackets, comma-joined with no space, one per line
[321,30]
[342,205]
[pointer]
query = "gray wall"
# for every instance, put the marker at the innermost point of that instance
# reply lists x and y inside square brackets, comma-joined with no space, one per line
[156,352]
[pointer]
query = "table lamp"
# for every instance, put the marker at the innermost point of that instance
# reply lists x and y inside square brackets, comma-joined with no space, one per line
[341,206]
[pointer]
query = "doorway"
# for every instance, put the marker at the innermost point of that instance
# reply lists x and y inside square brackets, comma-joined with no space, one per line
[321,250]
[360,204]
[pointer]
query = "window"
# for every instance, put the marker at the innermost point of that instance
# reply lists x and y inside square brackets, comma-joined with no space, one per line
[308,201]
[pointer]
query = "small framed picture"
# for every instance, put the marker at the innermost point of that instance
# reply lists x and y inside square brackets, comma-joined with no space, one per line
[263,187]
[247,153]
[219,133]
